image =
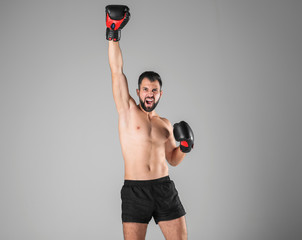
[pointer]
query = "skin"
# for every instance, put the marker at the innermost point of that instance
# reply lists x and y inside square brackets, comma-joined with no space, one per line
[147,141]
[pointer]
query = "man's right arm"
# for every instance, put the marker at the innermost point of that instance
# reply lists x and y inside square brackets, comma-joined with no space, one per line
[119,81]
[117,17]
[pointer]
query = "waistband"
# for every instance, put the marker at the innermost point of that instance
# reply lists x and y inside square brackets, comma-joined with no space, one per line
[147,182]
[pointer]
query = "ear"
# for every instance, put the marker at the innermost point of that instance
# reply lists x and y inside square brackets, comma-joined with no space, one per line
[161,93]
[137,92]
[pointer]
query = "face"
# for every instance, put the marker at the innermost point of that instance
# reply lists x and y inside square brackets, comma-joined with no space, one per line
[149,94]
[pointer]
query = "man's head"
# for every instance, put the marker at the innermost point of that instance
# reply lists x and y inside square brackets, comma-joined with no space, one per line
[149,90]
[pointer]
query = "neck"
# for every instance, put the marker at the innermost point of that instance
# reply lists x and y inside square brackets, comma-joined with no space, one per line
[149,114]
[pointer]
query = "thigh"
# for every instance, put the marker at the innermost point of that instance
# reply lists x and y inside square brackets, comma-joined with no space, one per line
[137,204]
[134,231]
[167,202]
[175,229]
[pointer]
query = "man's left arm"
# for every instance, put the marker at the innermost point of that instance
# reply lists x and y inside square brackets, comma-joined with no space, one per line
[180,132]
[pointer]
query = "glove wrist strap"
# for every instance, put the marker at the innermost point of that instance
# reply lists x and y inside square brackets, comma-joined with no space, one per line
[185,149]
[114,35]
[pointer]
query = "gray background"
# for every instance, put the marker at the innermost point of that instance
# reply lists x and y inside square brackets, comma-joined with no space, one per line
[231,69]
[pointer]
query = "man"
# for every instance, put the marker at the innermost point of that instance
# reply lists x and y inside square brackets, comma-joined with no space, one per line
[147,142]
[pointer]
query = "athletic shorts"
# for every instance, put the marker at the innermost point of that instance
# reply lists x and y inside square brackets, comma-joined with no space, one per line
[144,199]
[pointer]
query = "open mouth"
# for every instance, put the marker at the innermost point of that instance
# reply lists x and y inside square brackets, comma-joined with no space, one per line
[149,102]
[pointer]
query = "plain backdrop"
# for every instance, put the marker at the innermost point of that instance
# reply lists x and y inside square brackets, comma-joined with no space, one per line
[231,69]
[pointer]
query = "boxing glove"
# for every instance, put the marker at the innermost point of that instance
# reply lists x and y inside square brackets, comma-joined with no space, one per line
[117,16]
[184,134]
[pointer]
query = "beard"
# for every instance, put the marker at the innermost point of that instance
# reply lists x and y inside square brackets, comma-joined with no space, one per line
[147,108]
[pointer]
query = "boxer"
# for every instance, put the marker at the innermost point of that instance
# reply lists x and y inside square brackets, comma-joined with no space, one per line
[148,144]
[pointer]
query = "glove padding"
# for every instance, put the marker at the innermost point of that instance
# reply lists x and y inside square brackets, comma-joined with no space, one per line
[184,134]
[117,16]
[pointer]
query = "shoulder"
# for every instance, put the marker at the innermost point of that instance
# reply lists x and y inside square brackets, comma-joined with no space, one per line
[166,121]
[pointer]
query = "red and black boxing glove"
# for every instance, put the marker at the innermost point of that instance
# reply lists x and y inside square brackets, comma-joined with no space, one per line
[117,16]
[184,134]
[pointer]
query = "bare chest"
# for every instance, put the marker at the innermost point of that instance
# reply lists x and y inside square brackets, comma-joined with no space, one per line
[141,128]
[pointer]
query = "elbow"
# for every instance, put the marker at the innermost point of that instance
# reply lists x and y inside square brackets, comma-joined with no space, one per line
[171,159]
[172,163]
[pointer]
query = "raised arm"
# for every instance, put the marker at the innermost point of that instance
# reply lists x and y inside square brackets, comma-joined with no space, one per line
[117,17]
[119,81]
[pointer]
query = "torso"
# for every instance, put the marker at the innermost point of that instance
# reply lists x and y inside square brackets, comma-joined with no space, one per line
[143,140]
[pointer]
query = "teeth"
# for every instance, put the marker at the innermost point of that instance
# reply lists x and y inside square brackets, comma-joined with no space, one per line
[149,102]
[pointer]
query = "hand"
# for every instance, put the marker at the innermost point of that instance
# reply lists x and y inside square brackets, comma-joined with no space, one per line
[184,134]
[117,16]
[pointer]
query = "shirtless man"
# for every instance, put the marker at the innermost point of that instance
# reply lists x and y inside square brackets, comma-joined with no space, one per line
[148,143]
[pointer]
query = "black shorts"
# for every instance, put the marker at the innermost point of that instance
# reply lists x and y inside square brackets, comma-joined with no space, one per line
[144,199]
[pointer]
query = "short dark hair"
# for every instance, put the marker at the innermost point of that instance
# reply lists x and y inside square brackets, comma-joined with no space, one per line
[152,76]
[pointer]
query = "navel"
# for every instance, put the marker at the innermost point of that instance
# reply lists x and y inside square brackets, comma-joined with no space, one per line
[138,127]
